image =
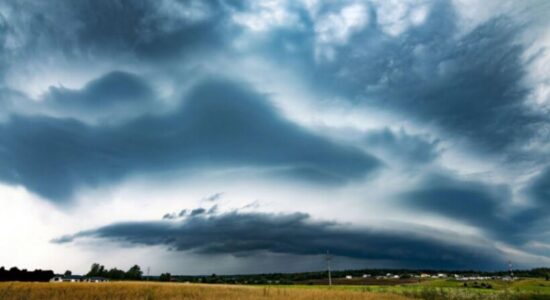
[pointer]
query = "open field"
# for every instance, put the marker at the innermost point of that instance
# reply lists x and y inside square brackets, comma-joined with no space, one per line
[523,289]
[173,291]
[526,289]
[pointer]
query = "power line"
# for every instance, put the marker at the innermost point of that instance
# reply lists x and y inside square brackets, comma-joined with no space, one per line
[328,258]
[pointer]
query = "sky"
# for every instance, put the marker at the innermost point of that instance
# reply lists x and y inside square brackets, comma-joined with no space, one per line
[235,136]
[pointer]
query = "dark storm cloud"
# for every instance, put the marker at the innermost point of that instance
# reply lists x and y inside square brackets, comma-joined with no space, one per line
[539,189]
[4,30]
[149,30]
[169,216]
[410,148]
[472,86]
[192,213]
[103,93]
[537,192]
[116,96]
[246,234]
[466,201]
[155,30]
[486,207]
[220,124]
[197,211]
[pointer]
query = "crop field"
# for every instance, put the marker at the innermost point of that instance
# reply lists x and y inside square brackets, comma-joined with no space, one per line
[527,289]
[173,291]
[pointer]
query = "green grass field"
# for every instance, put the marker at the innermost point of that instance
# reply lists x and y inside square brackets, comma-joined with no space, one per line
[522,289]
[526,289]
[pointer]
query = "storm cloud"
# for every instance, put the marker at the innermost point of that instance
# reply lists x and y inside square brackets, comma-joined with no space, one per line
[433,113]
[488,208]
[110,95]
[472,86]
[246,234]
[220,123]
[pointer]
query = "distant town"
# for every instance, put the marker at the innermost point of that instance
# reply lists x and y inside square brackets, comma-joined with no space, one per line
[98,273]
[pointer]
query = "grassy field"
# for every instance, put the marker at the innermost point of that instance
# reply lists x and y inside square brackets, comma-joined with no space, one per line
[524,289]
[173,291]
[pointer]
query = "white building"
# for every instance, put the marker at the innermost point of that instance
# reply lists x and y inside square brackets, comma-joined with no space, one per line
[75,278]
[72,278]
[95,279]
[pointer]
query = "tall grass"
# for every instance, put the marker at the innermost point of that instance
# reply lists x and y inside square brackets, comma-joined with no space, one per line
[524,289]
[173,291]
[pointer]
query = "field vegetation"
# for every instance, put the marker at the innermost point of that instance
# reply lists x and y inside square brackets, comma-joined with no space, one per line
[440,289]
[172,291]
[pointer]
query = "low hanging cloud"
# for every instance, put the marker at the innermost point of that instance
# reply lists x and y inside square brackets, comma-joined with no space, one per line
[247,234]
[219,124]
[489,208]
[537,192]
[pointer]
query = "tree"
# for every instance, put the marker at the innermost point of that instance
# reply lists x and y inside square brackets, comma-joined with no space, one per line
[134,273]
[165,277]
[115,273]
[68,273]
[94,270]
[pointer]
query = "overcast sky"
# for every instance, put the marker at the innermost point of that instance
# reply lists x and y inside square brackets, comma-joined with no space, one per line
[233,136]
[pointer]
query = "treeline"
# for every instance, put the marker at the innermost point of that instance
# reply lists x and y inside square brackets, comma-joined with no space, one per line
[97,270]
[290,278]
[135,273]
[14,274]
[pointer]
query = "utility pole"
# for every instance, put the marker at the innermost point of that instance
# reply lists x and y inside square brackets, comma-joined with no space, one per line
[510,269]
[328,258]
[148,272]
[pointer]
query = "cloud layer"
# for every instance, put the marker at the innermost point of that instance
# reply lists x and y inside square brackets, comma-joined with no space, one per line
[430,113]
[220,123]
[247,234]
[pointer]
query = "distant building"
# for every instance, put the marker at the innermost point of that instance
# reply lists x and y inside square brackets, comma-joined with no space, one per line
[71,278]
[76,278]
[95,279]
[424,275]
[349,277]
[366,275]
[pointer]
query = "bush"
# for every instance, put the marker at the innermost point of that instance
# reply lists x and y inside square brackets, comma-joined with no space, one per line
[165,277]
